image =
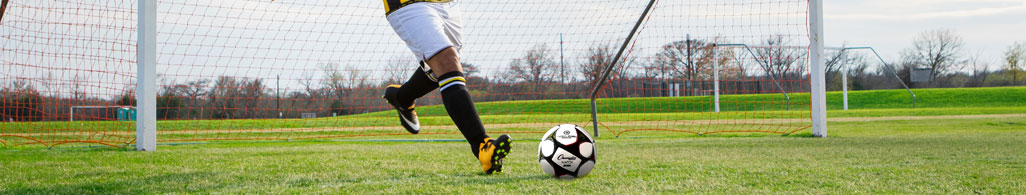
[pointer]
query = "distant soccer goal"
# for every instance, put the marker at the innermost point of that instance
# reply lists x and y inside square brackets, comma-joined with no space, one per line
[258,70]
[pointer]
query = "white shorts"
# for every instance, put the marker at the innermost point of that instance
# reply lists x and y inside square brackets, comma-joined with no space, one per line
[428,28]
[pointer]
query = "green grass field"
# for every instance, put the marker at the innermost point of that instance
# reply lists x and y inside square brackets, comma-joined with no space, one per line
[931,102]
[959,141]
[932,156]
[619,116]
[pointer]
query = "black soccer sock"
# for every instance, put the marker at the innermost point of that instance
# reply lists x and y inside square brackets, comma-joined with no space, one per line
[418,86]
[461,108]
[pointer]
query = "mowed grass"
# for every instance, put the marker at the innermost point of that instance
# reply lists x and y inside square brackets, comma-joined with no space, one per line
[618,116]
[869,99]
[931,102]
[932,156]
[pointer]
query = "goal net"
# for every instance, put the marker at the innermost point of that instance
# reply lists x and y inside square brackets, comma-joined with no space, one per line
[101,113]
[285,69]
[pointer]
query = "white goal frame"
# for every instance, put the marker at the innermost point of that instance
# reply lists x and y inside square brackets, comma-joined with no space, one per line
[816,65]
[146,85]
[817,68]
[146,128]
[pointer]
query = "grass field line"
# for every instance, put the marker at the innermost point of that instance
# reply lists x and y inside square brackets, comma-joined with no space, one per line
[895,118]
[539,126]
[903,156]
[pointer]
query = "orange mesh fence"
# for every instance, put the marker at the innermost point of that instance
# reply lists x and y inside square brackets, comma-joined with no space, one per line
[283,70]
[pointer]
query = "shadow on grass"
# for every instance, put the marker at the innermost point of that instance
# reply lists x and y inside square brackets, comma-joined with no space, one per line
[165,183]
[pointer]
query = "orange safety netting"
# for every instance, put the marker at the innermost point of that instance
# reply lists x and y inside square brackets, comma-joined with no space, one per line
[282,70]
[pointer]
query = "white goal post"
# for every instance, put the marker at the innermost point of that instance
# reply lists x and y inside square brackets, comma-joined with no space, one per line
[817,68]
[146,85]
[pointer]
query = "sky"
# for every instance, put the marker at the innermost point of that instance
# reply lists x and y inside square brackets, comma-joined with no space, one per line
[988,27]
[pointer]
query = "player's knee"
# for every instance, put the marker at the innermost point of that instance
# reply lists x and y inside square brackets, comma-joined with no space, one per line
[451,80]
[445,61]
[427,72]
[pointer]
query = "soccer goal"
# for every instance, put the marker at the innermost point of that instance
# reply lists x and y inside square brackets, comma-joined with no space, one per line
[282,70]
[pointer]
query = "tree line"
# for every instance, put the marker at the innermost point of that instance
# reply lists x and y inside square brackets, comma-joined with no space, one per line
[678,68]
[941,53]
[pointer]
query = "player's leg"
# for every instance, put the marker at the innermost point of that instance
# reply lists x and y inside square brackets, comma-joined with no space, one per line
[432,31]
[460,106]
[403,97]
[420,26]
[457,100]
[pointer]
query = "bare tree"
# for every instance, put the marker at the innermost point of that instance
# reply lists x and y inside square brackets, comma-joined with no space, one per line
[672,61]
[834,65]
[333,82]
[857,68]
[740,71]
[233,97]
[778,59]
[30,102]
[535,67]
[399,70]
[170,100]
[1015,60]
[193,90]
[340,83]
[686,59]
[77,91]
[470,70]
[21,85]
[938,50]
[624,68]
[252,92]
[978,71]
[725,57]
[597,59]
[222,97]
[532,72]
[846,62]
[309,86]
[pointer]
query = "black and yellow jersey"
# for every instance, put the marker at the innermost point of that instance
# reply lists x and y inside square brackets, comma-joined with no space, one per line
[392,5]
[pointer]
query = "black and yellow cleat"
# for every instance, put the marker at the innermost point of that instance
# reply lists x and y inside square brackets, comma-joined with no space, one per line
[493,151]
[407,116]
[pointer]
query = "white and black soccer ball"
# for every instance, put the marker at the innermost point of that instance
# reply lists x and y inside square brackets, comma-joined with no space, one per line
[567,151]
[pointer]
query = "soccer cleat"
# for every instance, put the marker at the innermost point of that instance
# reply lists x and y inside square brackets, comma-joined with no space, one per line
[407,116]
[492,152]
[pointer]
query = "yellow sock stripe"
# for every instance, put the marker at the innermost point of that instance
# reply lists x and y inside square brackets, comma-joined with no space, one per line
[450,80]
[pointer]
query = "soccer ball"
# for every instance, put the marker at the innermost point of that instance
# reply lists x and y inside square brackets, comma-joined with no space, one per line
[567,151]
